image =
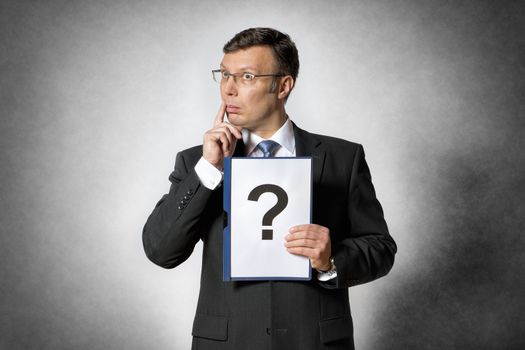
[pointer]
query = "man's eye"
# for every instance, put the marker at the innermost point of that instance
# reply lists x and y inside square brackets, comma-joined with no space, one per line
[226,74]
[247,76]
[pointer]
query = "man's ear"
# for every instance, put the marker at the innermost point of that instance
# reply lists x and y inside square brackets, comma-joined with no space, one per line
[285,86]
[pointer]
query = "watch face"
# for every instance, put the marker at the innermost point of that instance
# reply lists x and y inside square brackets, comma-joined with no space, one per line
[332,263]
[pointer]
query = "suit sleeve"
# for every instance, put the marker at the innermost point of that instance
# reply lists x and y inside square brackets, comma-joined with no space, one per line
[172,230]
[367,250]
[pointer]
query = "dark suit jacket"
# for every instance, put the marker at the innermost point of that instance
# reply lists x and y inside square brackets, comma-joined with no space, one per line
[276,314]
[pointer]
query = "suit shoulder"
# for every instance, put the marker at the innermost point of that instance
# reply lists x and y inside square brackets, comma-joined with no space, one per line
[336,142]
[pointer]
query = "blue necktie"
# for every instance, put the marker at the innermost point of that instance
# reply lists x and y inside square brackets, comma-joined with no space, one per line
[267,147]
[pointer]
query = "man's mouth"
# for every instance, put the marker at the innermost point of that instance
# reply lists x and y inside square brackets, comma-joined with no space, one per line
[232,109]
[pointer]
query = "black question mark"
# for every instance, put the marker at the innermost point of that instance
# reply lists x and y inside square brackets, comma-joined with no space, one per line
[282,202]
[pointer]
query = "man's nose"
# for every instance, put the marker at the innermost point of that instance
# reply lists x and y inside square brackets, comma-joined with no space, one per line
[230,86]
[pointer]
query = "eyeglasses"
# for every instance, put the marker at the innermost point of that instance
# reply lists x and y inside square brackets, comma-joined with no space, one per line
[220,76]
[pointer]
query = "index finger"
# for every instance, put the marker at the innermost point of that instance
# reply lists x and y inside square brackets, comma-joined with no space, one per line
[220,115]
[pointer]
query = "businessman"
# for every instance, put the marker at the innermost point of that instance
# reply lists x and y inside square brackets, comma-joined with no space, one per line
[347,244]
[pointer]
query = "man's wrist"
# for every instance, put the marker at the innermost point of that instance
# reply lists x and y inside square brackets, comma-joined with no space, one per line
[331,266]
[330,275]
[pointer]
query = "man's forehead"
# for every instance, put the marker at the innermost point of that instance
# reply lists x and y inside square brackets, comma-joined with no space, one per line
[239,64]
[255,57]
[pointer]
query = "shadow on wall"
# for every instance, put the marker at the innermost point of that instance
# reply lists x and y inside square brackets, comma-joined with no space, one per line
[467,292]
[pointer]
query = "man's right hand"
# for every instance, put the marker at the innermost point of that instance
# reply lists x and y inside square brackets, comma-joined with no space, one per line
[219,142]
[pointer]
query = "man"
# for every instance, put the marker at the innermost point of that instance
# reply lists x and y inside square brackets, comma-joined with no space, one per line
[348,242]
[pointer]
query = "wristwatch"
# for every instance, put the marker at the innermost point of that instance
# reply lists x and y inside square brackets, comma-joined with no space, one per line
[332,266]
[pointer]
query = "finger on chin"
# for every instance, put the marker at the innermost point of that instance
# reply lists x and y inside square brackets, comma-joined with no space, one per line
[220,115]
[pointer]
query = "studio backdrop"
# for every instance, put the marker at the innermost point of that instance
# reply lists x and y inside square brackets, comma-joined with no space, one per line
[97,97]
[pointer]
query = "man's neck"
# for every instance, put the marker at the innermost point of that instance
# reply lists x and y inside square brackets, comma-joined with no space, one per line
[266,131]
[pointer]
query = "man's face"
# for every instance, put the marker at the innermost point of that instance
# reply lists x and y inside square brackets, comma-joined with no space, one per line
[251,105]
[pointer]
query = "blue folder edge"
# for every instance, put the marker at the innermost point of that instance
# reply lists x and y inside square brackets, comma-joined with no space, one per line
[226,199]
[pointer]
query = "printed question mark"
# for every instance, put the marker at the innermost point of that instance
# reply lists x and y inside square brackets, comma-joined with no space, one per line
[282,202]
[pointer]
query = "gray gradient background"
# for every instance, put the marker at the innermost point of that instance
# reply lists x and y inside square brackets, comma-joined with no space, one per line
[98,96]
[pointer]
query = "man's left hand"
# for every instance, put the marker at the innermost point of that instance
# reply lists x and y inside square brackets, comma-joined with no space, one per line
[311,241]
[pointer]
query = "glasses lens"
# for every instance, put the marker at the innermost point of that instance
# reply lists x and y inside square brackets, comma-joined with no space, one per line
[217,75]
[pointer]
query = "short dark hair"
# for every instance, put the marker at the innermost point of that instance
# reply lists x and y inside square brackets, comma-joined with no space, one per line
[281,44]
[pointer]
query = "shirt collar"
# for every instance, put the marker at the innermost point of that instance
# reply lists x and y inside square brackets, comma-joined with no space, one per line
[284,136]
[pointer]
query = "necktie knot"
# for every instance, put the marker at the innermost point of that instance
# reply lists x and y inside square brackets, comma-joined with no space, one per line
[267,147]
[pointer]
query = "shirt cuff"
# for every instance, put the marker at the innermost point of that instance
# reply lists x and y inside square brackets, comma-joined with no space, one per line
[326,276]
[209,176]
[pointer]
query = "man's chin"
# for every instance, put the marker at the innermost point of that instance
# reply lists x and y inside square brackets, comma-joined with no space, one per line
[235,119]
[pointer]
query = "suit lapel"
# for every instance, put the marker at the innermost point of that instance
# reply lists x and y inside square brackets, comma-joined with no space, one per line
[239,149]
[308,145]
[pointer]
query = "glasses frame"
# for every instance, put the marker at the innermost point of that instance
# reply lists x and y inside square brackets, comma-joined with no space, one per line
[239,75]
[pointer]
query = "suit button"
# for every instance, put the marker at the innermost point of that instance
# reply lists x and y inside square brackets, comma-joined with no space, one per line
[180,207]
[268,331]
[190,192]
